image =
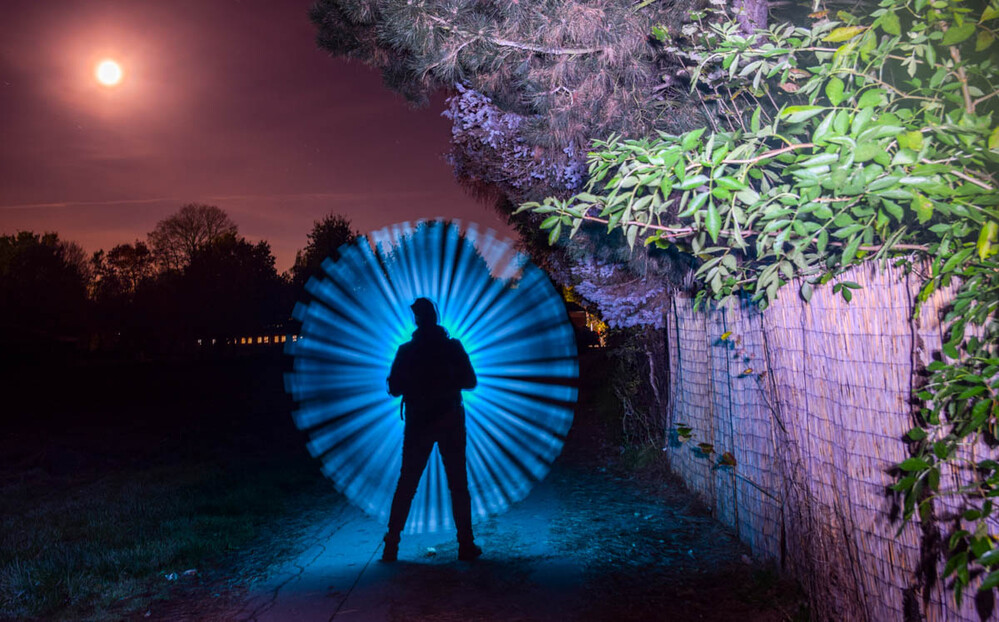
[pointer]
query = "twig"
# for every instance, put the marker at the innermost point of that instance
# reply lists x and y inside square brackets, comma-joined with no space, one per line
[969,178]
[529,47]
[985,97]
[769,154]
[682,232]
[969,106]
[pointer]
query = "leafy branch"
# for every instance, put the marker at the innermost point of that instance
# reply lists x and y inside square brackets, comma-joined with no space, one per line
[871,138]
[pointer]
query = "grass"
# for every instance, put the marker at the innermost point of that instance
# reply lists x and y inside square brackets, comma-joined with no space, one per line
[94,518]
[81,547]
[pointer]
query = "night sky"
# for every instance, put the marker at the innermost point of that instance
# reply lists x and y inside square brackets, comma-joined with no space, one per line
[225,102]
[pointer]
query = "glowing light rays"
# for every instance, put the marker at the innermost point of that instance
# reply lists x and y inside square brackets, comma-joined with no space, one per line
[513,326]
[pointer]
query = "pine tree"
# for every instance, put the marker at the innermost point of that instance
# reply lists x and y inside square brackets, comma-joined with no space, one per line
[531,83]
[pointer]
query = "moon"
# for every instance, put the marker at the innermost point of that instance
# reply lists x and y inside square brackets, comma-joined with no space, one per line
[108,72]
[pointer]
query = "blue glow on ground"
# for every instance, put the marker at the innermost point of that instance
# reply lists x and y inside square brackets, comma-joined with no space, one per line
[513,325]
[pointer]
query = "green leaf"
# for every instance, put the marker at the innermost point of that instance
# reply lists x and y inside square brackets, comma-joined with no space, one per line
[797,114]
[748,196]
[694,205]
[991,558]
[844,33]
[890,24]
[923,208]
[867,151]
[956,560]
[894,209]
[850,250]
[806,291]
[834,90]
[553,236]
[843,220]
[882,183]
[983,40]
[986,237]
[957,34]
[914,464]
[713,222]
[823,128]
[991,12]
[994,139]
[693,182]
[730,183]
[917,434]
[822,241]
[871,98]
[690,139]
[956,259]
[990,582]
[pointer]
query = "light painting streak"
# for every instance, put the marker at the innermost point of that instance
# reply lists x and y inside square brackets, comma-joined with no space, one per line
[513,325]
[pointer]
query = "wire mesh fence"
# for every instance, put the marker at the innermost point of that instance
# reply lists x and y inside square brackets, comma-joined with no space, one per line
[797,415]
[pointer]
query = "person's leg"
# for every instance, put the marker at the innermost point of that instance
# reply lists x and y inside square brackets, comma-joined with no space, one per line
[452,447]
[416,447]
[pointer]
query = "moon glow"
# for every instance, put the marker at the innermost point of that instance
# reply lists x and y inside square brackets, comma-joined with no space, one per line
[108,73]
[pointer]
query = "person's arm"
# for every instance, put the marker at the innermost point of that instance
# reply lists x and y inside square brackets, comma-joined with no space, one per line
[398,376]
[466,375]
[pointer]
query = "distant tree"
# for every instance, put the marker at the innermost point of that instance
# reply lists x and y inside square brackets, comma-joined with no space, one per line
[75,257]
[176,238]
[230,286]
[42,288]
[119,272]
[327,235]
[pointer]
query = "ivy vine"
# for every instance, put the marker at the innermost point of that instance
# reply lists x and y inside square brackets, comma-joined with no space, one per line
[852,139]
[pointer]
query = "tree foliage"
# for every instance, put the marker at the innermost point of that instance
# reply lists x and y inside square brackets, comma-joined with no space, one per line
[176,238]
[42,287]
[118,272]
[536,80]
[870,138]
[231,286]
[327,235]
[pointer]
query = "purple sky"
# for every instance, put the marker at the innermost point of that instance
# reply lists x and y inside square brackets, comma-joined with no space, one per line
[226,102]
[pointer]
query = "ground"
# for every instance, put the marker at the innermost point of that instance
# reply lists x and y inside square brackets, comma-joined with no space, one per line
[583,546]
[214,479]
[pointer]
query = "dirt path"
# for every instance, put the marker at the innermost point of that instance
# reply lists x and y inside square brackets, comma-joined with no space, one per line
[585,545]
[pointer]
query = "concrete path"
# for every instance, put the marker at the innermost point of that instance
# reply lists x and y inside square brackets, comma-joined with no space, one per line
[582,546]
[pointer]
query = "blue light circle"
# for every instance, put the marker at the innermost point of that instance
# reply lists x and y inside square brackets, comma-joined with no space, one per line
[513,325]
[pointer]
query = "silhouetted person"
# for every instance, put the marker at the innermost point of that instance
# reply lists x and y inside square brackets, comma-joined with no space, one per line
[429,373]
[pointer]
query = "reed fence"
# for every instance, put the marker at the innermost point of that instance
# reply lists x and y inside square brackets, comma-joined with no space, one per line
[812,401]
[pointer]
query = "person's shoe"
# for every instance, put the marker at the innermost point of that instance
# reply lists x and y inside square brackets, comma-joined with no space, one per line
[468,552]
[391,551]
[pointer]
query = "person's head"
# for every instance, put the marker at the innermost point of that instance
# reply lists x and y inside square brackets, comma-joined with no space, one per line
[424,311]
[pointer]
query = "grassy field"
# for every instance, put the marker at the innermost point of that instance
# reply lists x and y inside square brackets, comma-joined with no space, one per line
[115,477]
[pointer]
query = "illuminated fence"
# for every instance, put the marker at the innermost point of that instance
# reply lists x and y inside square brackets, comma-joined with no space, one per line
[812,402]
